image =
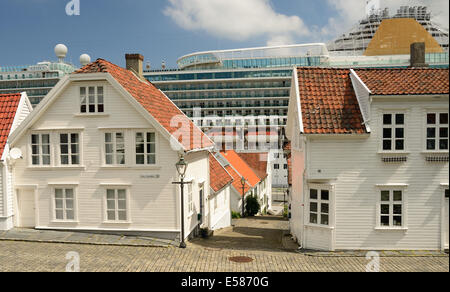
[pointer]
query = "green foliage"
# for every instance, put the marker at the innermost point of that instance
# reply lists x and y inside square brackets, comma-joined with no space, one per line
[235,215]
[252,206]
[286,211]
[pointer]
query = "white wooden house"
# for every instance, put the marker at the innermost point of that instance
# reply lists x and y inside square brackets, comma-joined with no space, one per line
[369,158]
[99,154]
[255,169]
[14,108]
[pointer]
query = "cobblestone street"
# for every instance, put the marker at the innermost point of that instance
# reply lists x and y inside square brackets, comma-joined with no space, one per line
[265,247]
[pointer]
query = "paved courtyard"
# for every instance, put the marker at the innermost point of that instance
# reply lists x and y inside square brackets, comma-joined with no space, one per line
[262,240]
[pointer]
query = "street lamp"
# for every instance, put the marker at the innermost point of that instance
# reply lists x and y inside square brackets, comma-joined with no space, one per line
[243,181]
[181,168]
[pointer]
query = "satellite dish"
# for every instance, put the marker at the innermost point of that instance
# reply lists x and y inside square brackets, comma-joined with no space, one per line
[15,153]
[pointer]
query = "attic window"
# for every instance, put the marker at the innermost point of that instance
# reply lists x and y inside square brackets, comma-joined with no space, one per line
[91,100]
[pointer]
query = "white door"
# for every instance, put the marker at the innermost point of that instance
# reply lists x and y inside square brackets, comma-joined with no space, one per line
[26,208]
[446,219]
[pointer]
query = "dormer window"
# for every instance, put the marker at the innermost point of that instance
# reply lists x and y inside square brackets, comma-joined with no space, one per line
[92,100]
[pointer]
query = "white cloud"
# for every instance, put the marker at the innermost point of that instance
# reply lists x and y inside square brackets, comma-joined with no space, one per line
[237,20]
[350,11]
[242,20]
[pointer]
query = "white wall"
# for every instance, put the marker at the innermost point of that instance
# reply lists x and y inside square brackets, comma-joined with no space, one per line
[153,201]
[354,166]
[220,216]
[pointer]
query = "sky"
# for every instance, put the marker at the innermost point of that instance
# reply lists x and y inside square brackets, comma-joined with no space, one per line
[168,29]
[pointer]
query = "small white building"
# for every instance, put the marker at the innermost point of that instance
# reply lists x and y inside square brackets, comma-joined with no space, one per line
[99,154]
[220,195]
[370,158]
[14,108]
[255,169]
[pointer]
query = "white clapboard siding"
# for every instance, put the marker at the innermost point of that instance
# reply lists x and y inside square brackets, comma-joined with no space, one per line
[220,216]
[354,166]
[154,202]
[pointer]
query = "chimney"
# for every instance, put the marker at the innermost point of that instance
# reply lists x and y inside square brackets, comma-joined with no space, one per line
[135,63]
[418,55]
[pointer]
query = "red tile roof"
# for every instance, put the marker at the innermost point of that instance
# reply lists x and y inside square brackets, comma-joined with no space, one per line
[242,169]
[237,180]
[257,162]
[328,102]
[9,104]
[412,81]
[219,177]
[154,101]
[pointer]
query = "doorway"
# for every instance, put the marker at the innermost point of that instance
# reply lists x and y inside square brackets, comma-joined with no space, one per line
[25,208]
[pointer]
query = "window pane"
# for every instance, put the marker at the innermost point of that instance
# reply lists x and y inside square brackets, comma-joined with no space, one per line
[431,144]
[111,204]
[64,149]
[64,138]
[400,119]
[313,207]
[431,133]
[46,160]
[59,214]
[387,119]
[385,209]
[313,218]
[64,159]
[140,148]
[443,132]
[108,137]
[324,208]
[122,215]
[58,193]
[151,148]
[69,204]
[122,205]
[431,119]
[151,159]
[398,196]
[385,196]
[58,204]
[111,215]
[140,159]
[325,195]
[384,220]
[46,139]
[35,139]
[139,138]
[69,193]
[443,144]
[324,220]
[397,221]
[110,194]
[399,145]
[109,159]
[443,120]
[313,194]
[122,194]
[151,137]
[70,215]
[400,133]
[397,209]
[74,148]
[387,133]
[109,148]
[74,138]
[35,160]
[387,145]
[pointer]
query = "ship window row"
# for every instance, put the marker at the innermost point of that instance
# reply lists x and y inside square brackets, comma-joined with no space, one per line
[220,75]
[229,94]
[22,76]
[250,112]
[225,85]
[28,84]
[272,62]
[265,103]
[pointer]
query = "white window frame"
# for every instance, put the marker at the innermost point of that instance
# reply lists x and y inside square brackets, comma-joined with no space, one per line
[116,189]
[64,188]
[145,132]
[330,202]
[114,150]
[87,100]
[391,203]
[190,198]
[40,148]
[393,128]
[437,126]
[69,144]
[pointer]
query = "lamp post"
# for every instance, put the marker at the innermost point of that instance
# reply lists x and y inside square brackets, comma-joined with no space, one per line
[243,181]
[181,168]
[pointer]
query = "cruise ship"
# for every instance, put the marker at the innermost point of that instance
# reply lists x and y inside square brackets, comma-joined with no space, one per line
[36,80]
[356,42]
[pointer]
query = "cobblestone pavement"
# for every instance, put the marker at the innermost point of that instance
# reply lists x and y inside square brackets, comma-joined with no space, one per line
[210,255]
